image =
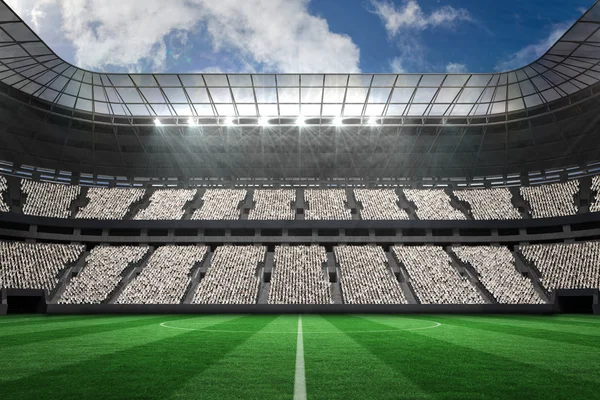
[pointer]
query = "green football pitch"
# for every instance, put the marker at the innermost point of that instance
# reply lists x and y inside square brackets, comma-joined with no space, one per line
[288,356]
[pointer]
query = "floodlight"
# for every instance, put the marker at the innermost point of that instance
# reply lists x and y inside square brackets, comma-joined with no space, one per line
[300,121]
[229,121]
[157,122]
[373,121]
[263,121]
[191,122]
[338,121]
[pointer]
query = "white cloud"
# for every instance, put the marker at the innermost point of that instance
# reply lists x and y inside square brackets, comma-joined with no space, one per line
[270,35]
[456,68]
[411,16]
[534,51]
[397,66]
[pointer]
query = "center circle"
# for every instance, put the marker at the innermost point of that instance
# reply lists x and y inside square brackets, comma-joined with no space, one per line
[192,325]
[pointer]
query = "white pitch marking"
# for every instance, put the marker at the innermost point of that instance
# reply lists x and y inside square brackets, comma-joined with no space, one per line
[437,324]
[300,378]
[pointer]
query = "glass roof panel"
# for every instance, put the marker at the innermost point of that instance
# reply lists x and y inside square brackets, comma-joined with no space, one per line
[353,110]
[593,14]
[99,93]
[289,110]
[461,109]
[384,80]
[533,100]
[198,95]
[408,80]
[175,95]
[129,95]
[288,95]
[138,109]
[456,80]
[59,83]
[266,95]
[432,80]
[204,110]
[360,80]
[216,80]
[580,31]
[514,91]
[6,14]
[379,95]
[438,110]
[424,95]
[288,80]
[470,95]
[161,109]
[36,49]
[12,51]
[336,80]
[268,110]
[87,77]
[101,108]
[19,31]
[479,80]
[527,88]
[85,91]
[243,95]
[112,95]
[220,95]
[515,105]
[447,95]
[500,94]
[356,95]
[144,80]
[153,95]
[499,108]
[225,110]
[117,80]
[192,80]
[310,110]
[416,110]
[332,110]
[84,105]
[239,80]
[184,110]
[551,95]
[402,95]
[263,80]
[248,110]
[167,80]
[312,80]
[312,95]
[396,110]
[334,95]
[67,101]
[374,110]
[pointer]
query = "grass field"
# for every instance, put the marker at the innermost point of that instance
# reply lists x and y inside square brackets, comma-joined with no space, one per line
[345,357]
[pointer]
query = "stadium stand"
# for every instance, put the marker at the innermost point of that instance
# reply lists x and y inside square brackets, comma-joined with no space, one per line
[34,266]
[553,200]
[45,199]
[432,204]
[165,277]
[166,204]
[273,205]
[433,278]
[232,276]
[220,204]
[298,276]
[566,266]
[379,204]
[3,186]
[498,273]
[489,204]
[595,188]
[109,203]
[326,204]
[101,274]
[365,277]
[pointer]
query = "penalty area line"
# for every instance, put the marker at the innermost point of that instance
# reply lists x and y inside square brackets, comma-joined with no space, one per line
[300,378]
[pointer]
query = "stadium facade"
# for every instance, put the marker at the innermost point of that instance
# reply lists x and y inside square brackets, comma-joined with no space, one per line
[225,164]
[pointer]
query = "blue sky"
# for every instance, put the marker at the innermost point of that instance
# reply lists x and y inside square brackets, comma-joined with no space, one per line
[300,35]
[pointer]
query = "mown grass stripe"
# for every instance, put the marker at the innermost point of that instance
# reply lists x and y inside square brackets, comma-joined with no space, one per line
[452,369]
[300,378]
[151,371]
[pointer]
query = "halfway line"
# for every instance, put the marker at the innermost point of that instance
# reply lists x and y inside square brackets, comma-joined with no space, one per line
[300,379]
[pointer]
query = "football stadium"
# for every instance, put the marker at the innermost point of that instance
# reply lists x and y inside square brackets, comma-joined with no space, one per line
[297,235]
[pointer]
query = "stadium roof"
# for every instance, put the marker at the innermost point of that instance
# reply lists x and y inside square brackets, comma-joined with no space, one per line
[28,64]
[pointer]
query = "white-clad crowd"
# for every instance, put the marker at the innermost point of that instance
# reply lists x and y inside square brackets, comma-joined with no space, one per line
[489,204]
[166,204]
[432,204]
[220,204]
[101,274]
[379,204]
[109,203]
[35,266]
[433,278]
[165,278]
[566,265]
[326,204]
[498,273]
[276,204]
[3,186]
[595,205]
[553,200]
[365,277]
[298,276]
[232,276]
[45,199]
